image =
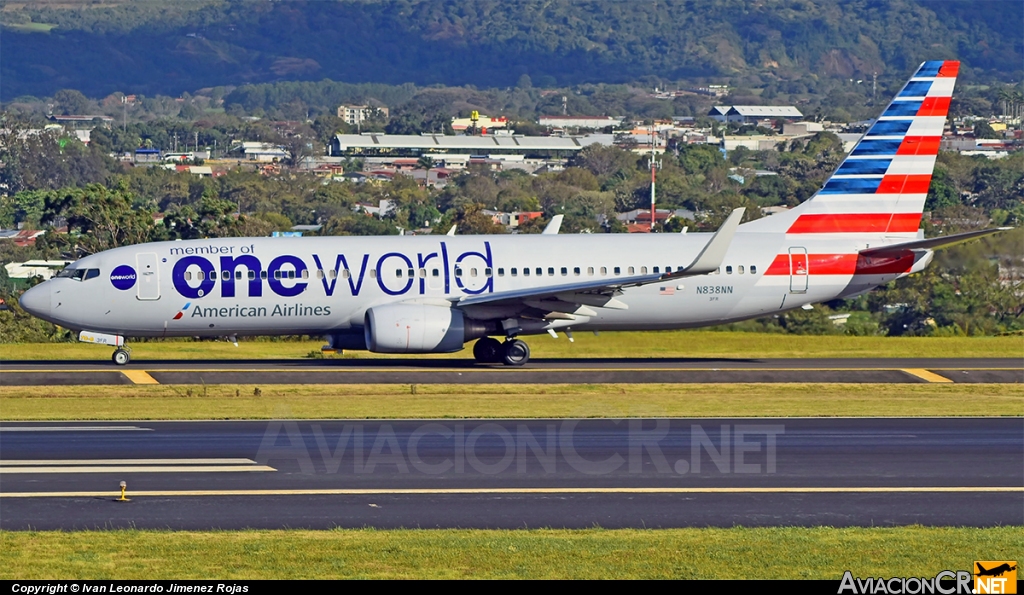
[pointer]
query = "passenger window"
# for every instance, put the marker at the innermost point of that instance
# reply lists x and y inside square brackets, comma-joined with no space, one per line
[753,270]
[252,274]
[487,272]
[590,271]
[540,271]
[373,273]
[728,270]
[200,275]
[604,270]
[291,274]
[277,274]
[576,271]
[398,273]
[345,273]
[263,275]
[551,271]
[305,273]
[565,271]
[513,271]
[238,274]
[501,272]
[423,273]
[616,270]
[435,273]
[643,270]
[629,270]
[739,269]
[332,274]
[188,275]
[472,272]
[718,271]
[458,272]
[225,275]
[412,273]
[656,270]
[526,272]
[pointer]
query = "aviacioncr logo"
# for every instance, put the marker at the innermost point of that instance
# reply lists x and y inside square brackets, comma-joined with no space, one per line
[123,277]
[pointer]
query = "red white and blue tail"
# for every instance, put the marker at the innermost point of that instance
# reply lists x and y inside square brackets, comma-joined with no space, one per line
[881,186]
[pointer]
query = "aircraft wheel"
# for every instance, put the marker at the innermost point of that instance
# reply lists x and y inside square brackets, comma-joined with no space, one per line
[517,353]
[488,351]
[121,357]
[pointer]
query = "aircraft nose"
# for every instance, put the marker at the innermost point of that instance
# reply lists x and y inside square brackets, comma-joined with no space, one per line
[36,301]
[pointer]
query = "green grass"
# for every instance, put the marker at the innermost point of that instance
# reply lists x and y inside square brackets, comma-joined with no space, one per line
[507,400]
[777,553]
[648,344]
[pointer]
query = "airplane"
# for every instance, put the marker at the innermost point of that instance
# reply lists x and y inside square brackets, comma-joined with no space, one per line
[998,570]
[434,294]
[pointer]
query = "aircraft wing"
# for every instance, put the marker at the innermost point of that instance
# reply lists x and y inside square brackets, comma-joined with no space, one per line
[575,297]
[932,243]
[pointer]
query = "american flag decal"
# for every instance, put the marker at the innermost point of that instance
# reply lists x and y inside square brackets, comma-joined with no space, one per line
[667,291]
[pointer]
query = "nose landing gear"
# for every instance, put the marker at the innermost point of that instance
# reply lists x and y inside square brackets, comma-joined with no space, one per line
[513,352]
[121,356]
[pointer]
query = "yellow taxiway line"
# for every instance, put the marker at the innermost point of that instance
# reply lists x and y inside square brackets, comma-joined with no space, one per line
[926,375]
[139,377]
[479,491]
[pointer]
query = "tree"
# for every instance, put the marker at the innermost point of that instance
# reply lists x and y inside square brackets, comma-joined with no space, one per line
[71,101]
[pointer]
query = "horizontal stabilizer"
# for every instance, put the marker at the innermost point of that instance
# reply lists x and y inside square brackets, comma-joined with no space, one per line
[933,243]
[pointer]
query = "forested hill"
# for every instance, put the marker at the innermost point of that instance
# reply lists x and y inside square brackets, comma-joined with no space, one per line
[141,46]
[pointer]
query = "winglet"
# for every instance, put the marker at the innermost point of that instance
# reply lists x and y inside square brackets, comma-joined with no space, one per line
[554,225]
[711,257]
[451,231]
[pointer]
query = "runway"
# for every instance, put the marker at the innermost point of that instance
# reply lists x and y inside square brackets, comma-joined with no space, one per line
[538,371]
[513,473]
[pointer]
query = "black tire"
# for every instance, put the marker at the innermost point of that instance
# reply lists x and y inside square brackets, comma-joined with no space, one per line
[516,353]
[121,357]
[488,351]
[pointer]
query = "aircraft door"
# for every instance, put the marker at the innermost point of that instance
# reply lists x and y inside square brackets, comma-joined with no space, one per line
[799,272]
[149,276]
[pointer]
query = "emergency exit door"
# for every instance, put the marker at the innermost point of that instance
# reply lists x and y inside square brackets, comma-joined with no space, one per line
[799,272]
[148,271]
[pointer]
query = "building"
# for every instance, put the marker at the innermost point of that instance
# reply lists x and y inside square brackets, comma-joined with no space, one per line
[484,123]
[754,113]
[579,122]
[21,273]
[377,144]
[356,114]
[802,128]
[262,152]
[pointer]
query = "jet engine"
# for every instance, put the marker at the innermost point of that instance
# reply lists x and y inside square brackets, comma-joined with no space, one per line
[421,328]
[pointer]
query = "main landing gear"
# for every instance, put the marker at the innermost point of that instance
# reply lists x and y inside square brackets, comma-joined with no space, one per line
[513,352]
[121,356]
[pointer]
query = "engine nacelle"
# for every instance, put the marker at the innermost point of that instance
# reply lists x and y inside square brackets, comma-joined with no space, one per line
[420,328]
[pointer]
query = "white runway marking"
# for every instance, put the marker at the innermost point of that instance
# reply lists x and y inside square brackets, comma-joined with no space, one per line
[74,429]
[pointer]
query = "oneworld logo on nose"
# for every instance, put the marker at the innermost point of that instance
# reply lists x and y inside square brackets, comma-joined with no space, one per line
[123,277]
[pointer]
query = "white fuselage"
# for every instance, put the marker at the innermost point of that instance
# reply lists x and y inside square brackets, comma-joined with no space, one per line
[326,285]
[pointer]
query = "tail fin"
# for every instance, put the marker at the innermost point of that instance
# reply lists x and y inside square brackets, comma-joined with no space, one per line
[881,186]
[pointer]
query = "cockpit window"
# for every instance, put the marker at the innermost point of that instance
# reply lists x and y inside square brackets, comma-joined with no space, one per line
[79,274]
